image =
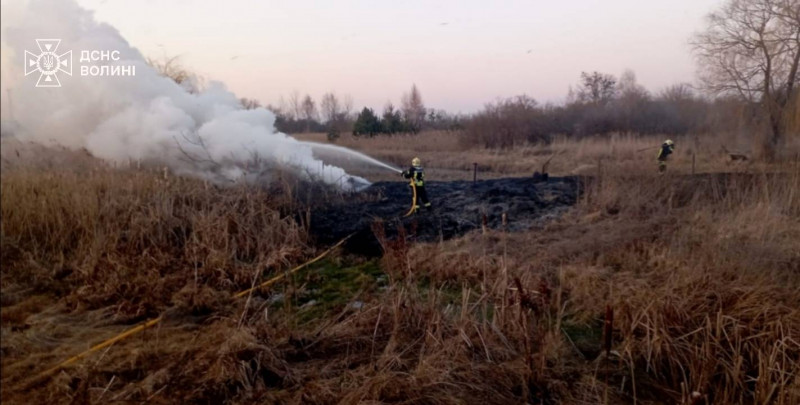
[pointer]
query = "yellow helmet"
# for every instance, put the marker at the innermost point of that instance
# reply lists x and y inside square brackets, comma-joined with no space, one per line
[669,142]
[416,162]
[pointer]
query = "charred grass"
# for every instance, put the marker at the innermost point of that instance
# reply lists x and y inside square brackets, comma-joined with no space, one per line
[654,289]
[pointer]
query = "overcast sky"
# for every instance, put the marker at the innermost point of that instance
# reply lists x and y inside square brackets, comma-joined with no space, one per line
[460,54]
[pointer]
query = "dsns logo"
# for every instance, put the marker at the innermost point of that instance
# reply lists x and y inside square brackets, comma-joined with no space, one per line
[48,63]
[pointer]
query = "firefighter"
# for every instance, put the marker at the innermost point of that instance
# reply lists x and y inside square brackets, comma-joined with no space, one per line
[417,176]
[666,149]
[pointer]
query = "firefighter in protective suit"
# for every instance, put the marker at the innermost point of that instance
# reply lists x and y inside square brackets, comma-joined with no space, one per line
[417,176]
[666,149]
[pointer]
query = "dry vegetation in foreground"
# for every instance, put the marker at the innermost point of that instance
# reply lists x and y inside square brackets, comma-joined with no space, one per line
[702,276]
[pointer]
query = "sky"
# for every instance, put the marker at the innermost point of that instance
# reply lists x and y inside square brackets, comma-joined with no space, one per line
[460,54]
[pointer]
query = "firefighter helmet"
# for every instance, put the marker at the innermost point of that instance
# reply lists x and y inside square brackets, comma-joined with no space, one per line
[416,162]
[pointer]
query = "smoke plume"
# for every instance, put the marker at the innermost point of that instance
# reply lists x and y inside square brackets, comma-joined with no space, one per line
[146,117]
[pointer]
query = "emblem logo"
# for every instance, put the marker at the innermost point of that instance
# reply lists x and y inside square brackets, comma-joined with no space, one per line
[48,63]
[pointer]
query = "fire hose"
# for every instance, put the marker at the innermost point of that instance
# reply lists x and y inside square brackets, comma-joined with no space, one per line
[413,199]
[152,322]
[47,373]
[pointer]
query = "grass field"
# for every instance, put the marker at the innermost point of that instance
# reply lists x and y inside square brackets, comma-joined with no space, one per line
[445,158]
[653,289]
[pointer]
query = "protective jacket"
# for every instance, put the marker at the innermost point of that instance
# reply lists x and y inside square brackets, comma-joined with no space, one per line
[665,151]
[417,176]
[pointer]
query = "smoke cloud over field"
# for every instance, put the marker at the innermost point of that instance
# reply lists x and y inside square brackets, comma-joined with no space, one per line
[144,117]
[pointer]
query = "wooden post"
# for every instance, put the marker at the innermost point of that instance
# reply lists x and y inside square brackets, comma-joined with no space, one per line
[692,163]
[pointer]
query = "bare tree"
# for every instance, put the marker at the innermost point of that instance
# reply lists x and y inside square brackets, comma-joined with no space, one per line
[283,108]
[596,88]
[347,106]
[631,102]
[249,103]
[330,107]
[677,93]
[571,98]
[308,111]
[628,87]
[413,109]
[170,67]
[294,108]
[751,48]
[277,110]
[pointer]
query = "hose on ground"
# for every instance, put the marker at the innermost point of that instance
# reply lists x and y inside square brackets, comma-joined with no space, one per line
[150,323]
[413,198]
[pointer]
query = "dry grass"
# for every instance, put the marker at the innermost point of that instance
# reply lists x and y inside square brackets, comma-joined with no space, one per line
[704,280]
[112,247]
[446,158]
[79,227]
[701,274]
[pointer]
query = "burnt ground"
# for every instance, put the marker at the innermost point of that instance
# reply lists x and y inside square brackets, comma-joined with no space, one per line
[458,207]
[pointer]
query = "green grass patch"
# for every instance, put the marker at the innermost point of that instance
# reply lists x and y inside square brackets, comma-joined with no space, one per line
[587,338]
[329,286]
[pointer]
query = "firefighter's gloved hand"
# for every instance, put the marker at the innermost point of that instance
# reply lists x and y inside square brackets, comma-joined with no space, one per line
[404,174]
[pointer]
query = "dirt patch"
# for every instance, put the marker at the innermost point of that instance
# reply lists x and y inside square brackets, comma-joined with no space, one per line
[458,207]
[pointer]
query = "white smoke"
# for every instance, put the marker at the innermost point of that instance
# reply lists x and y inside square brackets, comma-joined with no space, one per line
[145,117]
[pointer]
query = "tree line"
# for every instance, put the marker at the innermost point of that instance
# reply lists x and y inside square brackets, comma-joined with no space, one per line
[603,104]
[334,115]
[748,57]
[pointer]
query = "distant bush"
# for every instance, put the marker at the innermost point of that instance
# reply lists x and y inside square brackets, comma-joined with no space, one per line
[292,125]
[508,122]
[333,134]
[597,110]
